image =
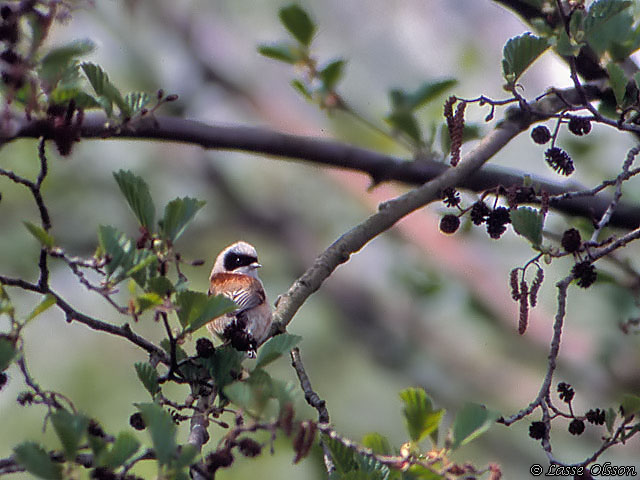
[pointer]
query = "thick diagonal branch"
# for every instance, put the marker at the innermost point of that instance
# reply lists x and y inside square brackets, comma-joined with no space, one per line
[379,166]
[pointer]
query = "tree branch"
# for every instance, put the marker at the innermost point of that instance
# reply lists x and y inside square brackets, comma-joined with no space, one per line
[388,214]
[379,166]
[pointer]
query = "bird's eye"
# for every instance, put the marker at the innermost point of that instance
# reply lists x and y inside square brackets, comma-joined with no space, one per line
[233,261]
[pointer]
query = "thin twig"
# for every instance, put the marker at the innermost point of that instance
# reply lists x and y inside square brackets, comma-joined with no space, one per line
[315,401]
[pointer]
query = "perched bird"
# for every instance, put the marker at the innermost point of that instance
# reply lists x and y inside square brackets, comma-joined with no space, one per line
[235,275]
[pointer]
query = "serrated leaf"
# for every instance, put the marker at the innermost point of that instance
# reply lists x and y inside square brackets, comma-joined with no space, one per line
[70,428]
[429,91]
[471,422]
[136,101]
[423,473]
[630,405]
[197,309]
[224,361]
[7,353]
[40,234]
[520,52]
[601,11]
[124,447]
[276,347]
[405,122]
[331,74]
[378,443]
[136,192]
[124,258]
[115,245]
[162,430]
[148,376]
[148,300]
[47,302]
[420,417]
[62,96]
[528,222]
[343,457]
[618,81]
[298,22]
[36,461]
[283,52]
[372,467]
[107,93]
[177,215]
[566,46]
[160,285]
[57,60]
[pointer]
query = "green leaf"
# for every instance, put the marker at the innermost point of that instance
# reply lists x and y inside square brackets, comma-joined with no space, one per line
[630,405]
[331,74]
[379,444]
[601,11]
[420,417]
[302,89]
[162,430]
[429,91]
[180,353]
[148,376]
[298,22]
[404,121]
[528,222]
[161,286]
[148,300]
[276,347]
[283,52]
[124,257]
[107,92]
[36,461]
[566,46]
[240,393]
[610,419]
[7,353]
[122,450]
[343,456]
[57,60]
[471,422]
[187,456]
[423,473]
[62,96]
[136,192]
[618,81]
[40,234]
[520,52]
[70,429]
[47,302]
[177,215]
[197,309]
[224,361]
[136,101]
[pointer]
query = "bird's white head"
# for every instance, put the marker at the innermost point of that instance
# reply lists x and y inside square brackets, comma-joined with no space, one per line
[240,257]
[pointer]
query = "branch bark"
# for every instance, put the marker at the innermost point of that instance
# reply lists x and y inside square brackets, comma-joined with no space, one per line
[380,167]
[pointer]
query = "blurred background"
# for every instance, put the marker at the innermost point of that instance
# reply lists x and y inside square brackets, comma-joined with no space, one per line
[413,308]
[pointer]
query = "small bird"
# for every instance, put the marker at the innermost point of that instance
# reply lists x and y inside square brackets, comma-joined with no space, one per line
[235,275]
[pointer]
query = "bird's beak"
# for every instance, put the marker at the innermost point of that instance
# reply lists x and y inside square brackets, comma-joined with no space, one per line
[255,266]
